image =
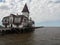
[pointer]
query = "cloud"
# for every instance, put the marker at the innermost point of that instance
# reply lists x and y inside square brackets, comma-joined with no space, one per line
[4,7]
[40,10]
[2,1]
[55,1]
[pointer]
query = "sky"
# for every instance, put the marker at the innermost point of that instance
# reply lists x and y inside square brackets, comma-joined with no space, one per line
[43,12]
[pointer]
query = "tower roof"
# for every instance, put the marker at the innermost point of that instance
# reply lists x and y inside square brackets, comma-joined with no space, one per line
[25,9]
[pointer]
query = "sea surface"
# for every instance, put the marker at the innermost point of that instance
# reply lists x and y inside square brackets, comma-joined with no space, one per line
[41,36]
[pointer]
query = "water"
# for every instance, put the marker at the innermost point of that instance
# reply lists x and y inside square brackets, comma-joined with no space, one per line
[41,36]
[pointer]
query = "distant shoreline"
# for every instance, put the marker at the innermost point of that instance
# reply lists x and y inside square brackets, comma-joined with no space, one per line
[40,27]
[47,27]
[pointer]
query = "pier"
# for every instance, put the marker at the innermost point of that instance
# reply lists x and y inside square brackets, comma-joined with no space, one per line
[4,31]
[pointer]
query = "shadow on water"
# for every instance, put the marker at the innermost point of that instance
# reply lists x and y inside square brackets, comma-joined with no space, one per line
[17,39]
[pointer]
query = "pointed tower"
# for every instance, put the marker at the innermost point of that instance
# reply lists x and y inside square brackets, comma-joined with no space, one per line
[25,11]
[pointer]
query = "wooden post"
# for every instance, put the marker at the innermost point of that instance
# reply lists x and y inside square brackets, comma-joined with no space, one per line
[17,26]
[5,26]
[11,25]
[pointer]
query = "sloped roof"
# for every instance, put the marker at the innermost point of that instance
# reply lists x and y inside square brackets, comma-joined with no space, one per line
[6,17]
[25,9]
[12,15]
[22,16]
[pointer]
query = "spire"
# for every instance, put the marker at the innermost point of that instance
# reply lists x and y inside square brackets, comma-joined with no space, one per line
[25,9]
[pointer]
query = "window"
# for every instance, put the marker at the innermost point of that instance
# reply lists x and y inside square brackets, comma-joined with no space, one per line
[24,20]
[5,20]
[17,20]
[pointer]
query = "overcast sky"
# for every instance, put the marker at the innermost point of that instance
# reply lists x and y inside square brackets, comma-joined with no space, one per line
[43,12]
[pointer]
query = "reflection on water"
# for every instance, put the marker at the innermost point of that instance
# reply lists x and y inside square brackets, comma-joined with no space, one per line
[42,36]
